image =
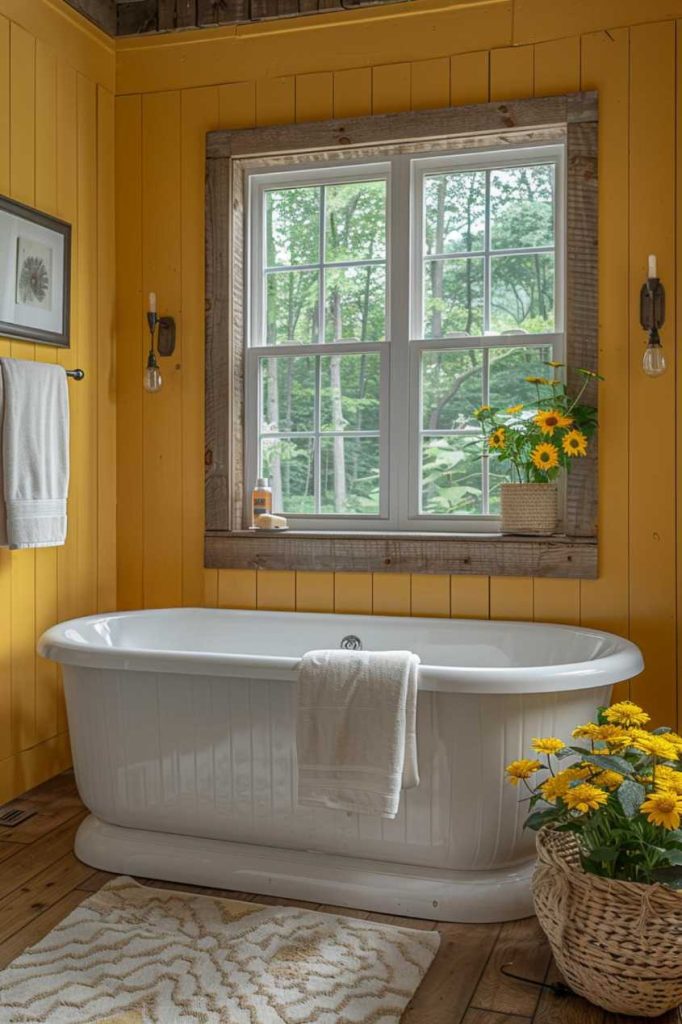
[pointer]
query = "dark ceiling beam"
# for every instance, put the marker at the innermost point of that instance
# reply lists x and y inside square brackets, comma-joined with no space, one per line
[136,17]
[102,12]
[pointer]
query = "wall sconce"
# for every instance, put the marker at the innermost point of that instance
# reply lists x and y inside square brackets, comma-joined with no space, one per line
[651,317]
[165,345]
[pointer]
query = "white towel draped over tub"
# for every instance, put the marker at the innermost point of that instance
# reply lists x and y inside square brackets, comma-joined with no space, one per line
[356,734]
[34,453]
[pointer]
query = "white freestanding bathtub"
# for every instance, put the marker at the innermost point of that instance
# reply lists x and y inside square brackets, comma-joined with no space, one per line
[182,728]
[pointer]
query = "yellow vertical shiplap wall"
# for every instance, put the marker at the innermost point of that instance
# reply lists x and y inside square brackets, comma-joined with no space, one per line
[425,54]
[56,153]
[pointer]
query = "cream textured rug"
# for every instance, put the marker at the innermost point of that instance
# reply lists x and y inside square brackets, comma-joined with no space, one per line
[134,955]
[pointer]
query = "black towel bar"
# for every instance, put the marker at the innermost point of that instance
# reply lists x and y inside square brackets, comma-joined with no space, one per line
[76,374]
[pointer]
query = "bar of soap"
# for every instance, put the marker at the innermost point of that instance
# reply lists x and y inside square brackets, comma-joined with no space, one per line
[268,521]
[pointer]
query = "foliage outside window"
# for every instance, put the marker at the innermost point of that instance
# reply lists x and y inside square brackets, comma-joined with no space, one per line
[388,300]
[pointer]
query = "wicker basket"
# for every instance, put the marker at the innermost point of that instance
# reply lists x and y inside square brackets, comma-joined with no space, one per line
[529,508]
[618,944]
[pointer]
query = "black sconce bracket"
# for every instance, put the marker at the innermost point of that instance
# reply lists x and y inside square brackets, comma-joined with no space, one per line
[652,306]
[165,345]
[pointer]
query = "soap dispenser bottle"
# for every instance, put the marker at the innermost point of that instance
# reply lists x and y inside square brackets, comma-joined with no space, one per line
[261,499]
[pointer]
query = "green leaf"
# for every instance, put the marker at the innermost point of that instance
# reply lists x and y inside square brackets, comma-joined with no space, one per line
[539,818]
[604,853]
[565,752]
[662,730]
[631,796]
[611,762]
[673,856]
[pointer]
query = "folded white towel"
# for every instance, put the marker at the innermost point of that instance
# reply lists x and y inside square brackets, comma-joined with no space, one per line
[356,735]
[34,413]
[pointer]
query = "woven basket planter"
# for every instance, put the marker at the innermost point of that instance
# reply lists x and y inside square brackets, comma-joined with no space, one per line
[618,944]
[530,509]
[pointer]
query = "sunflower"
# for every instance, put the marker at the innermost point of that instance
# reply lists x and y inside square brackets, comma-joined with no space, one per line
[496,439]
[536,380]
[545,456]
[481,411]
[655,746]
[553,363]
[574,443]
[522,769]
[559,784]
[627,714]
[668,779]
[612,735]
[584,797]
[586,732]
[549,420]
[513,409]
[663,808]
[607,779]
[549,745]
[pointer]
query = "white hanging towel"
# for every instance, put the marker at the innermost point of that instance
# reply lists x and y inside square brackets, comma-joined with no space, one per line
[356,736]
[34,453]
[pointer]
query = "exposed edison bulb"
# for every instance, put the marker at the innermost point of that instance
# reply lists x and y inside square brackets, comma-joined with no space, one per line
[653,362]
[152,380]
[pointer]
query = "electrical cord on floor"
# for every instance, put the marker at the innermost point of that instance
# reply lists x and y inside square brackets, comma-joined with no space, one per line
[558,988]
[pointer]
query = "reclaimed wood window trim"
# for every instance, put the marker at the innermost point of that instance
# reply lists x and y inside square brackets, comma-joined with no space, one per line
[228,544]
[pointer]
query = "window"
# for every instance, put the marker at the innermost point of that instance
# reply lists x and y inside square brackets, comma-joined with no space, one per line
[369,282]
[386,301]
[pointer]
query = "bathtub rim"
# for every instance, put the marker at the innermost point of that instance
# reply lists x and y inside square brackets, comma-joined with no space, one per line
[624,663]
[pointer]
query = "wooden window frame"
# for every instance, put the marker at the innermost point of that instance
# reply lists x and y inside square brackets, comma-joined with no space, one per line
[227,543]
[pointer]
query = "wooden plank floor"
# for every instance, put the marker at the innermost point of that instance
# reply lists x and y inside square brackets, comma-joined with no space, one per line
[41,881]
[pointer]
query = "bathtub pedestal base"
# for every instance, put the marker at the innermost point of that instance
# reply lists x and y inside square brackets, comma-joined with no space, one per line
[431,893]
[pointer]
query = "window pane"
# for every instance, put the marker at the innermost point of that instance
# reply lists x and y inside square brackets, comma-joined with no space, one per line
[349,398]
[452,387]
[350,475]
[292,226]
[452,476]
[453,297]
[498,473]
[355,304]
[509,367]
[289,464]
[287,394]
[355,221]
[522,293]
[522,207]
[292,298]
[454,212]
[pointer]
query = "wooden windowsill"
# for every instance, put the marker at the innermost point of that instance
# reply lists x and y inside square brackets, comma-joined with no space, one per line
[492,554]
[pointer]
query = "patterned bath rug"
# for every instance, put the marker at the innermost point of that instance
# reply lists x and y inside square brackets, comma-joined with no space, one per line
[134,955]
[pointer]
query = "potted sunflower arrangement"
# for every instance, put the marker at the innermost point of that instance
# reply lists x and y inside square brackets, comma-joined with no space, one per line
[535,440]
[607,886]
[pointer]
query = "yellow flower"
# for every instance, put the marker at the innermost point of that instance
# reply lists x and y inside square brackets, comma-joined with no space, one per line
[656,746]
[557,785]
[548,745]
[496,439]
[585,797]
[668,779]
[676,741]
[553,362]
[613,736]
[513,409]
[663,809]
[627,714]
[522,769]
[536,380]
[586,732]
[574,443]
[607,779]
[545,456]
[548,421]
[481,410]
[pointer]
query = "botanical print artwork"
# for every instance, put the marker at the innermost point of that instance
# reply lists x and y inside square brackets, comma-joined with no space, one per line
[34,274]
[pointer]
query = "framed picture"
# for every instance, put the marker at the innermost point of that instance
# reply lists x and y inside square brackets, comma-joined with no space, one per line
[35,275]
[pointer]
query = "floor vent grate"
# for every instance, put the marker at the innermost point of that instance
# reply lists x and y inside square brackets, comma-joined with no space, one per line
[12,815]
